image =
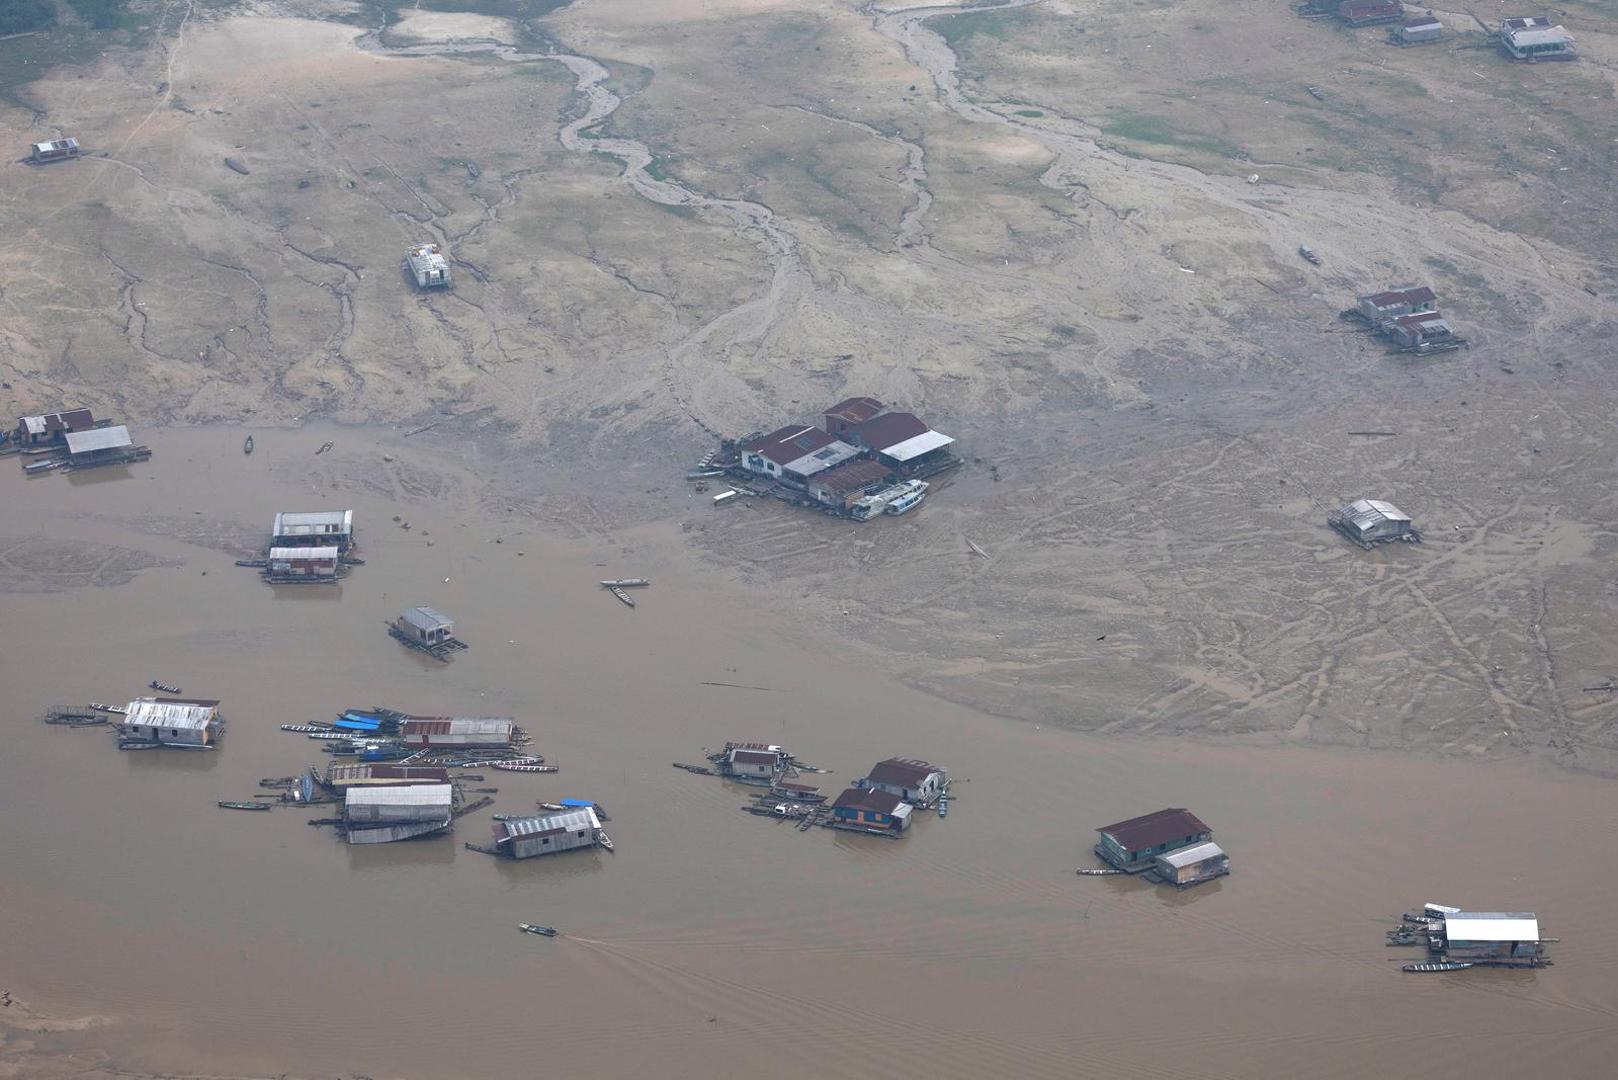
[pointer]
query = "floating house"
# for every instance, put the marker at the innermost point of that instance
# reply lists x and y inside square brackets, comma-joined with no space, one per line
[382,815]
[1370,12]
[459,732]
[183,723]
[55,150]
[546,834]
[1492,937]
[844,415]
[911,780]
[760,764]
[1191,865]
[428,266]
[297,563]
[1378,308]
[100,446]
[51,428]
[1535,37]
[1134,845]
[901,440]
[425,626]
[320,528]
[1372,521]
[378,774]
[1422,330]
[845,485]
[794,453]
[875,811]
[1422,30]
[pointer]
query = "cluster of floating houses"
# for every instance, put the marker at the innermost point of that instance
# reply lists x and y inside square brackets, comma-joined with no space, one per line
[881,803]
[1408,317]
[70,439]
[1528,38]
[308,547]
[863,459]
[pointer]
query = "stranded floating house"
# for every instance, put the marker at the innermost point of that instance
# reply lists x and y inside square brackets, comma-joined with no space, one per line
[427,265]
[55,150]
[1134,845]
[1536,37]
[1369,522]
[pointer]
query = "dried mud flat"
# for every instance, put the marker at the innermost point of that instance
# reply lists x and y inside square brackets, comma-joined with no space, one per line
[674,219]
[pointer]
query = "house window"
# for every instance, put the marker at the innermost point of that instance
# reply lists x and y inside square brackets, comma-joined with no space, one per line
[581,834]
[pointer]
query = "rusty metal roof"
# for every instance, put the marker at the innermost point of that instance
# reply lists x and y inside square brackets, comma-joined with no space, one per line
[1158,827]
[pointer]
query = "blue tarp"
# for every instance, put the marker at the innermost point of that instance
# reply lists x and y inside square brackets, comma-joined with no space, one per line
[356,725]
[572,803]
[375,755]
[363,720]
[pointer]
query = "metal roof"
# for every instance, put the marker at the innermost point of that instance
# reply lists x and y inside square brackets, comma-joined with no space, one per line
[106,438]
[457,725]
[922,444]
[1194,854]
[786,445]
[414,795]
[66,420]
[1492,926]
[189,715]
[753,757]
[314,523]
[426,618]
[287,554]
[1158,827]
[1367,512]
[404,774]
[427,256]
[855,409]
[568,821]
[905,772]
[1553,35]
[851,476]
[877,802]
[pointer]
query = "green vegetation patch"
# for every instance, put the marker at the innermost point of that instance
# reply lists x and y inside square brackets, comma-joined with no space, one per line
[101,14]
[1157,130]
[955,29]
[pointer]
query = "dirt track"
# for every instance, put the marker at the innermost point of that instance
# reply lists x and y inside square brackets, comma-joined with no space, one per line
[707,218]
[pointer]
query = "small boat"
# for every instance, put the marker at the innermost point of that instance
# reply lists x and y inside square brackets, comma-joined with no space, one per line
[518,766]
[535,928]
[603,839]
[163,687]
[620,594]
[1309,255]
[626,583]
[1437,965]
[553,807]
[1087,872]
[698,769]
[247,445]
[98,707]
[943,806]
[304,729]
[245,805]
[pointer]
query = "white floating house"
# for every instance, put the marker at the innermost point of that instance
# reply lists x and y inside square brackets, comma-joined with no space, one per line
[313,563]
[461,732]
[1536,37]
[546,834]
[428,266]
[381,815]
[183,723]
[425,626]
[1191,865]
[320,528]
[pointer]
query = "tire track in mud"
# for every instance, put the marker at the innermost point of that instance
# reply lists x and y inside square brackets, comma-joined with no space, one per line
[753,320]
[1075,145]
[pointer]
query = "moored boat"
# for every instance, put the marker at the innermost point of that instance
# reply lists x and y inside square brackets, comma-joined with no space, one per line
[163,687]
[228,805]
[1437,965]
[247,445]
[535,928]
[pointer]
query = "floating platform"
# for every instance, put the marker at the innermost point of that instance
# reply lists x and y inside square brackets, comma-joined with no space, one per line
[75,716]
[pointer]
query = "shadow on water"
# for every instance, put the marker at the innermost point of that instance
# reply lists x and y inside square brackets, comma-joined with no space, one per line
[105,474]
[307,592]
[1171,897]
[171,761]
[424,851]
[562,865]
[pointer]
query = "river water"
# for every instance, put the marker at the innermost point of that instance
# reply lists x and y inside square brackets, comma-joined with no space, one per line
[712,943]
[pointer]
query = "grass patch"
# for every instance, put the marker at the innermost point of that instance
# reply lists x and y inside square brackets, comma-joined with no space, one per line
[1032,114]
[955,29]
[1157,131]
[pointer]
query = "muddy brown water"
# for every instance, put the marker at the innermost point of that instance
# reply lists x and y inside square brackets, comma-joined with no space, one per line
[712,943]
